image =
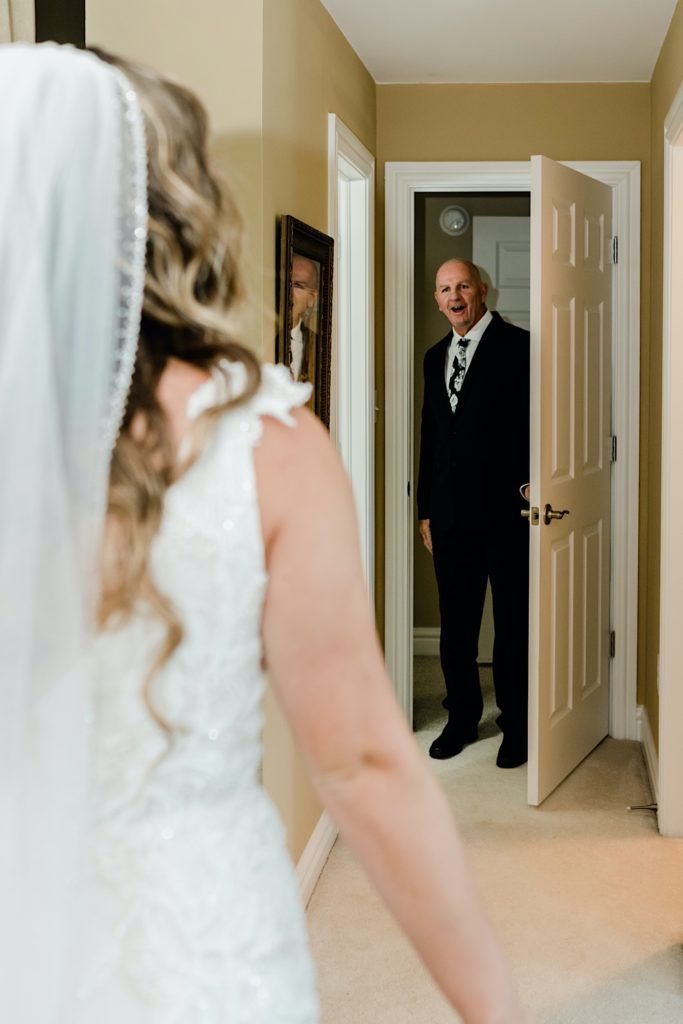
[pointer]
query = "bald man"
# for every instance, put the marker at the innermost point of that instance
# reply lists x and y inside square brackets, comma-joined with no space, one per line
[474,456]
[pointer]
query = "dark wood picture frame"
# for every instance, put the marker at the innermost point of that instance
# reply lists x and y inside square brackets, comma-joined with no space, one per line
[305,274]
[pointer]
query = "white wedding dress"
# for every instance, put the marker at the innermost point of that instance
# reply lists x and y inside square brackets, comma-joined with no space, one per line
[192,914]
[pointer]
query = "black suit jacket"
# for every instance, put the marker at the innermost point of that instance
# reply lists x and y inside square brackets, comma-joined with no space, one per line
[473,461]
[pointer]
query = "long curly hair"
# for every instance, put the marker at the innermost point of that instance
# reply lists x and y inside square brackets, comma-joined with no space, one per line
[193,292]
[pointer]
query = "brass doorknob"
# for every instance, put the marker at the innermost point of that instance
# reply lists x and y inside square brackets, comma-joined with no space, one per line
[532,514]
[549,513]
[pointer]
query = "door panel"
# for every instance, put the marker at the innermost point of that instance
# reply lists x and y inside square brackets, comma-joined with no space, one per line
[500,246]
[570,469]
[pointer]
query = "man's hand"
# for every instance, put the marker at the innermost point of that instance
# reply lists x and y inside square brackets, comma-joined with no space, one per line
[425,533]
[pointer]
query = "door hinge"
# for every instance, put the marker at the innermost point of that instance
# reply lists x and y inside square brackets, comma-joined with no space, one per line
[614,447]
[615,248]
[612,644]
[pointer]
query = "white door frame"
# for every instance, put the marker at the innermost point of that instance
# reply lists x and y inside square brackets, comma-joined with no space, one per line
[350,219]
[403,181]
[351,203]
[670,767]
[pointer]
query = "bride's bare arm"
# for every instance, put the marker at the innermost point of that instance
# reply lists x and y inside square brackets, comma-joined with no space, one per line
[325,664]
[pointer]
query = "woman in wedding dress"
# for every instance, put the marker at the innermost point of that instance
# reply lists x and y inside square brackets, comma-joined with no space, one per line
[172,523]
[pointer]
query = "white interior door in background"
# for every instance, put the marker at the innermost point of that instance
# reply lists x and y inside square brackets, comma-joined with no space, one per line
[500,247]
[571,331]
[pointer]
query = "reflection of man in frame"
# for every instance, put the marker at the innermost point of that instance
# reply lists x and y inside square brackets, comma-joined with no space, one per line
[303,304]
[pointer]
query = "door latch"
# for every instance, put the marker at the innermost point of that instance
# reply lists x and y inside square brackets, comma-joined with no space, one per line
[533,514]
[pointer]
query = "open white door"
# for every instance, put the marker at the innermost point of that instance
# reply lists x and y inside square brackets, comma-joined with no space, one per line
[569,631]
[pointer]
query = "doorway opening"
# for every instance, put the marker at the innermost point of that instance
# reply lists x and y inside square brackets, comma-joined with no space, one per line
[491,230]
[403,181]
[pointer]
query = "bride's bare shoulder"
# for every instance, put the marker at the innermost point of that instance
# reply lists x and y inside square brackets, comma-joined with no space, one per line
[298,471]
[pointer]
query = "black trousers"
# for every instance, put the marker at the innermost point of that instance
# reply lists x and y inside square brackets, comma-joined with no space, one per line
[466,556]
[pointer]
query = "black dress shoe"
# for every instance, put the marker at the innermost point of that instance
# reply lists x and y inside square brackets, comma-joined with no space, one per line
[512,753]
[451,742]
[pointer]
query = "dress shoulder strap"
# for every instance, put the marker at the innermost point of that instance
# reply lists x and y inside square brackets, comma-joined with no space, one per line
[277,394]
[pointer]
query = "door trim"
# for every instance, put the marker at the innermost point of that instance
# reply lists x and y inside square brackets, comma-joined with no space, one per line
[403,181]
[670,767]
[351,171]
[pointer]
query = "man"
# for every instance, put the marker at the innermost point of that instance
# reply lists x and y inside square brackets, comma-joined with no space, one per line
[303,299]
[474,456]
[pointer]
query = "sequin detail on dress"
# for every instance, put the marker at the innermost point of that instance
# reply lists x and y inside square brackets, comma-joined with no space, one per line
[194,915]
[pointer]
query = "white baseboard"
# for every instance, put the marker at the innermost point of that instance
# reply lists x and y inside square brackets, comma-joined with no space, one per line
[315,855]
[647,739]
[426,641]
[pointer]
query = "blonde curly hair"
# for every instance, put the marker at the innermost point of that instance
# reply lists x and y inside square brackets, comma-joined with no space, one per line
[193,291]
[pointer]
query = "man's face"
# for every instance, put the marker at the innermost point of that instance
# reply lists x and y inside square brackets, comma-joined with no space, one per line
[304,291]
[460,296]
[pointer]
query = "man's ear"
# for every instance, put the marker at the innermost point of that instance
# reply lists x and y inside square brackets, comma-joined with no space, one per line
[484,291]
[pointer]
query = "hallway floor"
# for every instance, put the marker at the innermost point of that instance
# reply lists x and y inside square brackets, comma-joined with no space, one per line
[585,896]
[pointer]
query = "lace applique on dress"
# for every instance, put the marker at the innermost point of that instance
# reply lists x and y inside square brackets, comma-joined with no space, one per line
[194,915]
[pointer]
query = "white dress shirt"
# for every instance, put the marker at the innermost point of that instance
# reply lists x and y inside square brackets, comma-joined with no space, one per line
[474,334]
[296,344]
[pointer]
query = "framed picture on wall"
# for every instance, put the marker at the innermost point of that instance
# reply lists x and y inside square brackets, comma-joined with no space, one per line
[304,308]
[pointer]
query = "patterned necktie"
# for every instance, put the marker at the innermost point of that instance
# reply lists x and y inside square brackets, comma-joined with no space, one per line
[458,372]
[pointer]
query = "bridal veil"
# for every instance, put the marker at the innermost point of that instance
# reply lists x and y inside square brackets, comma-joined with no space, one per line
[72,250]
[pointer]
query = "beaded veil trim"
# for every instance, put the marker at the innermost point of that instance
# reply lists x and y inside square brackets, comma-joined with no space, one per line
[132,243]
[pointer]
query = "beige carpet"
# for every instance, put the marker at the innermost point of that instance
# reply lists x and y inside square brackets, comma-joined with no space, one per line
[586,897]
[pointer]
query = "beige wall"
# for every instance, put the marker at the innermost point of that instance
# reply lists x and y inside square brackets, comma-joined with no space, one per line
[17,21]
[216,49]
[309,71]
[665,83]
[509,122]
[269,71]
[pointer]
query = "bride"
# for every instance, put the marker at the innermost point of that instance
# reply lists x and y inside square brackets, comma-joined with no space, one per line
[172,522]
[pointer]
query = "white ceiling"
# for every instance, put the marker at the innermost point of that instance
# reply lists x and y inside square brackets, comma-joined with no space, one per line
[505,40]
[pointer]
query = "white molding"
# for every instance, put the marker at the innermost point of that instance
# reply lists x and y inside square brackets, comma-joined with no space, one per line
[649,750]
[344,142]
[313,859]
[624,178]
[351,206]
[670,660]
[426,641]
[673,125]
[403,181]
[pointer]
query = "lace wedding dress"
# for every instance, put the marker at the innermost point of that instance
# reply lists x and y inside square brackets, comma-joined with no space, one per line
[192,914]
